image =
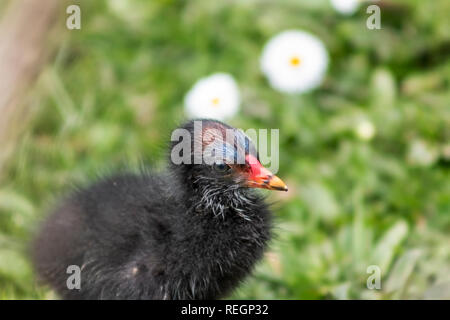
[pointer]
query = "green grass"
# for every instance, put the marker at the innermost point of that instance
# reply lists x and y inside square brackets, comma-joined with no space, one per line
[115,91]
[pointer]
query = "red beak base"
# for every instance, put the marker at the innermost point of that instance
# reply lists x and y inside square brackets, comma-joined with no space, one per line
[260,177]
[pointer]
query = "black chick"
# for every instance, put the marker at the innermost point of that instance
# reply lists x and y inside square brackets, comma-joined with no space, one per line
[193,232]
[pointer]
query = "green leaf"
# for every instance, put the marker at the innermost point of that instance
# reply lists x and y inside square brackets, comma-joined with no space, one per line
[383,88]
[13,265]
[320,200]
[402,270]
[385,248]
[15,203]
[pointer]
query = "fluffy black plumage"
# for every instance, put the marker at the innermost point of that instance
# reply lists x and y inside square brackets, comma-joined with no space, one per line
[193,232]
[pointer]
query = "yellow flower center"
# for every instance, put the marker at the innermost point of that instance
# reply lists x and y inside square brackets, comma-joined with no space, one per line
[215,102]
[295,61]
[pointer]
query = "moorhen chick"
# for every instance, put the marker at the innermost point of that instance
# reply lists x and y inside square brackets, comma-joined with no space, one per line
[193,232]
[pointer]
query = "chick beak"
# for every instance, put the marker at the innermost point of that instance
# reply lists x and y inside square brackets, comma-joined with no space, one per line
[260,177]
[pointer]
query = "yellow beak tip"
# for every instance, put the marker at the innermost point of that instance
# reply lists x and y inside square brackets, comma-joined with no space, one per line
[276,183]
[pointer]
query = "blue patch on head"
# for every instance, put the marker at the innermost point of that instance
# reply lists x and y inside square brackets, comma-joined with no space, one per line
[232,148]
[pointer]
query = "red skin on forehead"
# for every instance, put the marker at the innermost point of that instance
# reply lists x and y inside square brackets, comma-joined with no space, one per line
[256,168]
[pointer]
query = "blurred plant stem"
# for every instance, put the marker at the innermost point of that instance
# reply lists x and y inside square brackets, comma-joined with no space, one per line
[24,31]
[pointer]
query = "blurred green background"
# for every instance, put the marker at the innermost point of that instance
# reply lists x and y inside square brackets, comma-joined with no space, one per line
[115,91]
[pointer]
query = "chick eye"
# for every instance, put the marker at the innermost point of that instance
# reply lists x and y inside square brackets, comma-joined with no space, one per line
[221,167]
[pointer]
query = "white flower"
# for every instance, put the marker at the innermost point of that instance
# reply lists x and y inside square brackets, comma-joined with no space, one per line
[216,97]
[294,61]
[365,130]
[346,7]
[128,10]
[420,153]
